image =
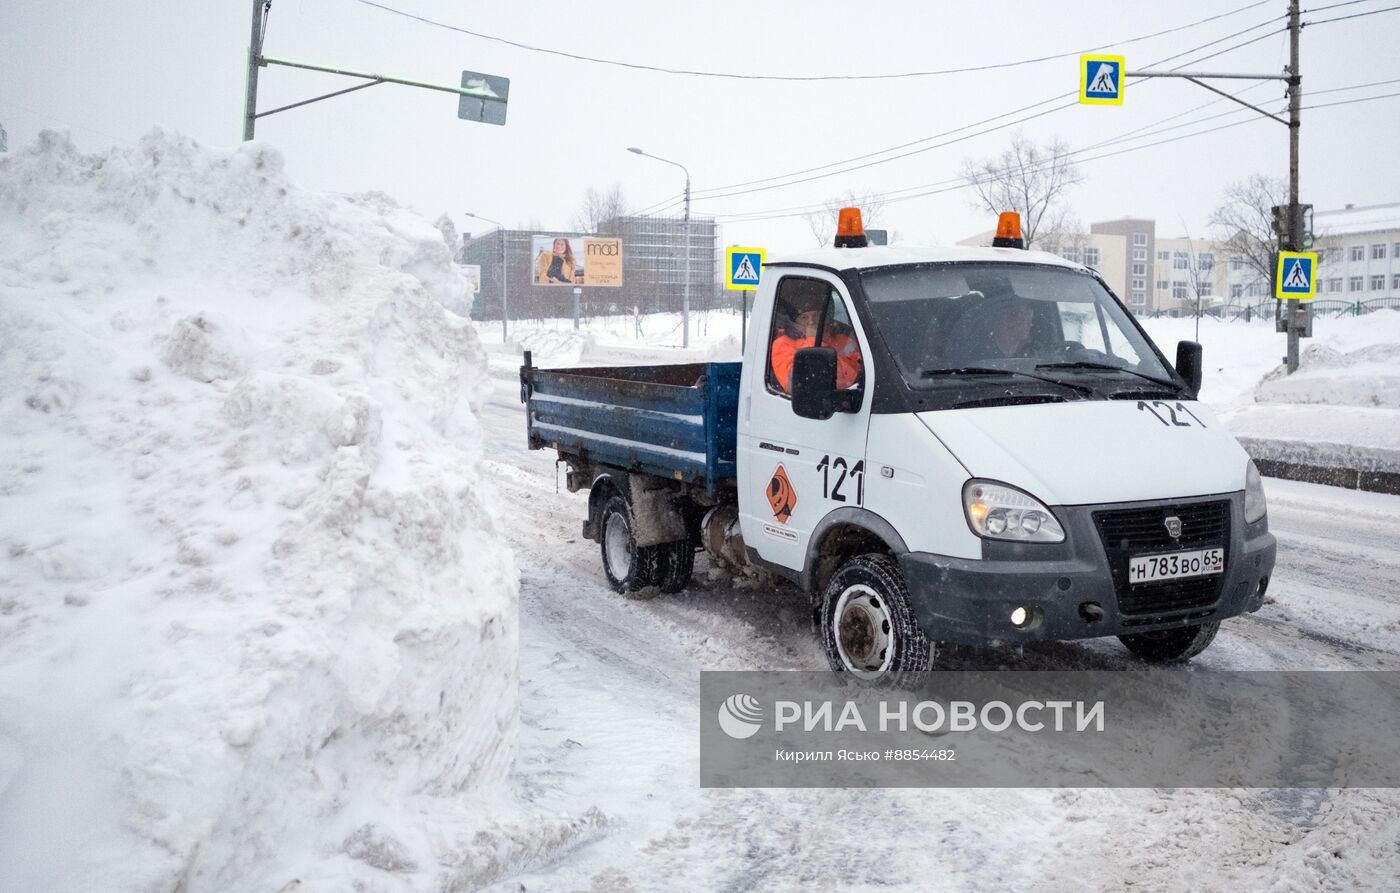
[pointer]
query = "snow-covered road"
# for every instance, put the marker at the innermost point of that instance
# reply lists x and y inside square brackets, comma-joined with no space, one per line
[609,721]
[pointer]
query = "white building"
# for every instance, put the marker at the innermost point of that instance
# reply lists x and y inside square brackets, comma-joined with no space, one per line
[1358,262]
[1359,252]
[1152,274]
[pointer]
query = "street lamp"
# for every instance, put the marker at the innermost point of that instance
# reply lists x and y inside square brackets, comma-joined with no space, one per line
[685,292]
[505,272]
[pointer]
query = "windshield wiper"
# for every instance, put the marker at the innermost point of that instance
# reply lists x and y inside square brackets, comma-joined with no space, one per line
[1084,365]
[988,370]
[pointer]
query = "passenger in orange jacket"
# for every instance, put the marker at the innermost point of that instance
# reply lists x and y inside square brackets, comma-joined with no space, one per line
[804,334]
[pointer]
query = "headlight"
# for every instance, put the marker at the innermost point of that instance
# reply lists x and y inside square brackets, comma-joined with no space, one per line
[999,512]
[1254,505]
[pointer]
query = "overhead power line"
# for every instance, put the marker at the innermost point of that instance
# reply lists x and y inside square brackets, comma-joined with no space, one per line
[1355,15]
[718,192]
[944,186]
[722,191]
[1143,132]
[1327,105]
[1334,6]
[930,138]
[770,77]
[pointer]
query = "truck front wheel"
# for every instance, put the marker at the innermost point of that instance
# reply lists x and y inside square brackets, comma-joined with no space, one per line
[1169,645]
[630,568]
[868,626]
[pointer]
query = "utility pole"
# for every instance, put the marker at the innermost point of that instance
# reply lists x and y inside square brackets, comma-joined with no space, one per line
[685,292]
[1292,232]
[1295,211]
[255,47]
[685,289]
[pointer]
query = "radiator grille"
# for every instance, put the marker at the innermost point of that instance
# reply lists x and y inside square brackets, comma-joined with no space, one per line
[1129,533]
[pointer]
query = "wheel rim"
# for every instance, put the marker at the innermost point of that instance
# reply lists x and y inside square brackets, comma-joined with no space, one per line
[864,632]
[617,540]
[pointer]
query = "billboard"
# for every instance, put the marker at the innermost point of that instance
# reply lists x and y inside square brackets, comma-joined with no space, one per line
[576,260]
[473,274]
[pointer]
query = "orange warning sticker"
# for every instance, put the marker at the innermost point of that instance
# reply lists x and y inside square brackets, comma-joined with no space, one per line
[781,496]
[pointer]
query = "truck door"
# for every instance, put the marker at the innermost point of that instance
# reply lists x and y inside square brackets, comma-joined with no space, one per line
[793,471]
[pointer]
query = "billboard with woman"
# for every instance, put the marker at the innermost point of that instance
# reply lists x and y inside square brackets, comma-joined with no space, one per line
[576,260]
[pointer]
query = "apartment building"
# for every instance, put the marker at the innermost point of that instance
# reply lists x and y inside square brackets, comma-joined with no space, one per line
[1149,272]
[1187,270]
[1358,252]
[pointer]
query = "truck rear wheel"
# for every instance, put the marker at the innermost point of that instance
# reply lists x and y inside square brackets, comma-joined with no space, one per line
[630,568]
[868,626]
[675,565]
[1169,645]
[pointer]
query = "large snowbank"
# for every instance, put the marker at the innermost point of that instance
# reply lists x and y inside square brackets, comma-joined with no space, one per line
[256,617]
[1339,410]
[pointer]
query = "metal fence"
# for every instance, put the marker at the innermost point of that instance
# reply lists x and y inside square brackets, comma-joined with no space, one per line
[1264,310]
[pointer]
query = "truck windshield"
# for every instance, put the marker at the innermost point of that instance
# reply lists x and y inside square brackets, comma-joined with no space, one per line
[944,323]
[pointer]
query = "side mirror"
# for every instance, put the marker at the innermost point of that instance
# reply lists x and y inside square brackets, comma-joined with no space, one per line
[1188,364]
[814,382]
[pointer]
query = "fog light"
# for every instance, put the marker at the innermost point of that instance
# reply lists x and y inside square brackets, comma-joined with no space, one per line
[1019,617]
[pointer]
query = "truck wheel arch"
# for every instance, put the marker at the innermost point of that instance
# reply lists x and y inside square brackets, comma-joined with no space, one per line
[604,486]
[657,518]
[841,535]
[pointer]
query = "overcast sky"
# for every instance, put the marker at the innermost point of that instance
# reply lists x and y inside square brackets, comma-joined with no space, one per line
[108,72]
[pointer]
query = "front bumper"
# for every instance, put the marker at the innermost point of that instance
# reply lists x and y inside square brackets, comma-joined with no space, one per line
[1074,590]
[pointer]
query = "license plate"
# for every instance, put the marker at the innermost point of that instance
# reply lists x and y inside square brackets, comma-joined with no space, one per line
[1175,566]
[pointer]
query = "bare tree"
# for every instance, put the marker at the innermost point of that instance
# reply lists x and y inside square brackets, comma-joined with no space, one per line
[599,208]
[1063,232]
[823,222]
[1243,221]
[1027,178]
[1201,273]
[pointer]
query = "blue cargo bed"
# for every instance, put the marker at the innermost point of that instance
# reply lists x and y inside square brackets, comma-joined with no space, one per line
[677,422]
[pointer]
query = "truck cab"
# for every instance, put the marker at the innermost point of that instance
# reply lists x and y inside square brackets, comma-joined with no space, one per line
[972,445]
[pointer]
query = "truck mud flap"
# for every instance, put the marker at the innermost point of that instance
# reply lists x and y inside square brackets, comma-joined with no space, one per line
[656,519]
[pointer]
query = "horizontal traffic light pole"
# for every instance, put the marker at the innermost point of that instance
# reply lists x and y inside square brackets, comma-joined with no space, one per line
[1205,74]
[1195,78]
[372,80]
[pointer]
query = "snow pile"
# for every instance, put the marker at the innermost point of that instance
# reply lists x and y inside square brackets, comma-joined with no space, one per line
[1339,410]
[256,616]
[1366,377]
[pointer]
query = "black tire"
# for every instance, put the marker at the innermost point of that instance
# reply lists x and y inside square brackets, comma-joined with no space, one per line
[630,569]
[675,565]
[870,593]
[1171,645]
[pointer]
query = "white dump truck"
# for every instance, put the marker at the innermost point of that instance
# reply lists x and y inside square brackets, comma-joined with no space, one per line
[972,445]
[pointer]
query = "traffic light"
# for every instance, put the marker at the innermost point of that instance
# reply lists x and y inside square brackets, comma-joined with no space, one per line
[1303,227]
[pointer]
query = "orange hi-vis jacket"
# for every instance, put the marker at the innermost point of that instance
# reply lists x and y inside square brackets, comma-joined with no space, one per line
[847,358]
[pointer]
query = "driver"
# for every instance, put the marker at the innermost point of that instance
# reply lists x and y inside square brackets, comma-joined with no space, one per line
[1010,333]
[806,318]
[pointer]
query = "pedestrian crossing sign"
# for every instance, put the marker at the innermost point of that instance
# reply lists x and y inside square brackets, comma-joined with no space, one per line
[1296,277]
[1101,80]
[743,266]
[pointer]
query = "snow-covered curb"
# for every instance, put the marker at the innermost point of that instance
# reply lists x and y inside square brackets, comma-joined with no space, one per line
[1336,420]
